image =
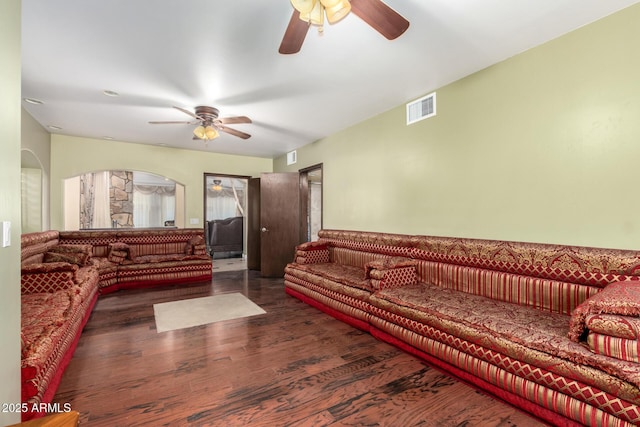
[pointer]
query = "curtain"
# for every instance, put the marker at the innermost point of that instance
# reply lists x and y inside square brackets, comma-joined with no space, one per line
[153,205]
[101,202]
[226,203]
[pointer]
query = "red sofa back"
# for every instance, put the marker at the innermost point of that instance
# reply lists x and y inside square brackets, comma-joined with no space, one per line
[546,276]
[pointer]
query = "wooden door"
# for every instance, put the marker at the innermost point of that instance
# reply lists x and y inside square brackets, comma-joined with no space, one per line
[279,221]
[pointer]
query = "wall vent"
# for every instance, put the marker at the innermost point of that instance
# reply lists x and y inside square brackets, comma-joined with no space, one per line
[421,109]
[292,157]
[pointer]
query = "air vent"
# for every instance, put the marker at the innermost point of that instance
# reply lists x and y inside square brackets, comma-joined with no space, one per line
[421,109]
[292,157]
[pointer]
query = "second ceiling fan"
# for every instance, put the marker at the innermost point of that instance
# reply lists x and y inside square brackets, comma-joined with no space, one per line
[377,14]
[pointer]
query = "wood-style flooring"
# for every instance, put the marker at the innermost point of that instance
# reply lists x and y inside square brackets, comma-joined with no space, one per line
[294,366]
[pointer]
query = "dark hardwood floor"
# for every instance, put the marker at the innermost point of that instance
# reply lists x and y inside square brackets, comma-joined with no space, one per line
[294,366]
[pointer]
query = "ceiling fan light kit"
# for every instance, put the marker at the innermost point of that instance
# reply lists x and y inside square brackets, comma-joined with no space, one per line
[313,11]
[376,13]
[336,9]
[207,133]
[315,16]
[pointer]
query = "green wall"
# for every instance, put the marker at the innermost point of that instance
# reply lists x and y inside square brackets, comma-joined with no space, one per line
[10,206]
[71,156]
[542,147]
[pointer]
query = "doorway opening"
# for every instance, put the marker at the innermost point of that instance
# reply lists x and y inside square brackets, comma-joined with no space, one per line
[122,199]
[310,202]
[225,215]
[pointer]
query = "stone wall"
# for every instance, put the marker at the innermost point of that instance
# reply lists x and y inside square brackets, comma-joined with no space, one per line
[121,197]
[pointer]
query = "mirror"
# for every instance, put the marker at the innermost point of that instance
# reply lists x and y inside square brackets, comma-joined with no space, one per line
[225,211]
[122,199]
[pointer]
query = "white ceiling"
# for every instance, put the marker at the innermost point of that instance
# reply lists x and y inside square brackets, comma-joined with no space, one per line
[222,53]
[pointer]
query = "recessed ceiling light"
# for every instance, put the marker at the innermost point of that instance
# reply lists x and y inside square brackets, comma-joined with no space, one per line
[53,127]
[110,93]
[109,138]
[33,101]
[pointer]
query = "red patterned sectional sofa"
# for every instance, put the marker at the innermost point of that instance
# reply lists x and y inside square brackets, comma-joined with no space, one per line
[63,272]
[550,329]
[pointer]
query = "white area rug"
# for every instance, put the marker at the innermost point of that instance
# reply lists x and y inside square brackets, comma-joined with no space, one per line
[174,315]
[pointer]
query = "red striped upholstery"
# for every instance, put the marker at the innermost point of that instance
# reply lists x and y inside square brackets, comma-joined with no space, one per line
[495,313]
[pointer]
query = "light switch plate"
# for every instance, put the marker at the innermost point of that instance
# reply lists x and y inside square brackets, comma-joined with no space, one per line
[194,221]
[6,234]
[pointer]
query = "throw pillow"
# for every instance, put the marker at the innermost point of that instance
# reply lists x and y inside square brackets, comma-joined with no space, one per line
[80,254]
[79,259]
[118,252]
[192,244]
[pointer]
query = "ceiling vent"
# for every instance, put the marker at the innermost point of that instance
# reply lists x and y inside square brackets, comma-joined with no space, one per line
[292,157]
[421,109]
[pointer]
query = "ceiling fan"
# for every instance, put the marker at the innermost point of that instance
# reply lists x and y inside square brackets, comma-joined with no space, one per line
[378,15]
[209,124]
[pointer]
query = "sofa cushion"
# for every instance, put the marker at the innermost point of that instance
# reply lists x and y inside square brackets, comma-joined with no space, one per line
[345,274]
[195,241]
[387,264]
[118,252]
[313,256]
[352,257]
[618,348]
[620,298]
[47,277]
[156,259]
[71,258]
[34,245]
[390,272]
[312,253]
[200,249]
[614,325]
[552,295]
[41,315]
[312,246]
[530,334]
[74,254]
[156,242]
[98,239]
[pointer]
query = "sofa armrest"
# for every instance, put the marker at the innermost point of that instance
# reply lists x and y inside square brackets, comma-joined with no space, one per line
[47,277]
[391,272]
[312,253]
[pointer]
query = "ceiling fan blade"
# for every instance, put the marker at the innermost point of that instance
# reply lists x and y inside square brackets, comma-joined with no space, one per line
[233,120]
[187,112]
[234,132]
[294,35]
[380,17]
[173,123]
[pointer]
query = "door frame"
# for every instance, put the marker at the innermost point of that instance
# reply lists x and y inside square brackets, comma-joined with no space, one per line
[204,202]
[304,198]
